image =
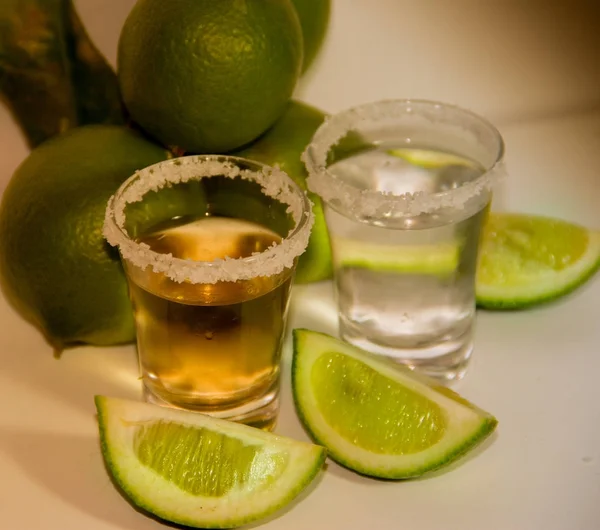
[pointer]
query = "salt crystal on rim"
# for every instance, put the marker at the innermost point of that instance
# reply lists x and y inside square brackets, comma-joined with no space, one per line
[370,203]
[274,183]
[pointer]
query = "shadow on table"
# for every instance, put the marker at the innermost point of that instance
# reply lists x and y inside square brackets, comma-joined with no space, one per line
[71,469]
[312,307]
[74,382]
[74,378]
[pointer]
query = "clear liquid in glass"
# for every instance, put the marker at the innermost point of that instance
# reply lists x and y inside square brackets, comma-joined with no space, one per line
[406,286]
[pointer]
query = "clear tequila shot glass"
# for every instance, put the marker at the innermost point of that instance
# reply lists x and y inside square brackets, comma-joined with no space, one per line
[406,186]
[209,245]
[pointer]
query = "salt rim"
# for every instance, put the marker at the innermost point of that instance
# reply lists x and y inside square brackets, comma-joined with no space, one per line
[274,183]
[369,203]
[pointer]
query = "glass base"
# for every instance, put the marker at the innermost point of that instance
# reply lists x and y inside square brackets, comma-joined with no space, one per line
[445,360]
[260,413]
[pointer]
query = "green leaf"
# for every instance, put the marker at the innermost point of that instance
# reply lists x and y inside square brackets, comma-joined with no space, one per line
[52,77]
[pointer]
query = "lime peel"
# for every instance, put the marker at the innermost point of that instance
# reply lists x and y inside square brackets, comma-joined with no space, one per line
[280,469]
[465,425]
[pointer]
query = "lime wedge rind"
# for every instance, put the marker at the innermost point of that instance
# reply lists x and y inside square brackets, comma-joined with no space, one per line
[152,493]
[467,424]
[543,287]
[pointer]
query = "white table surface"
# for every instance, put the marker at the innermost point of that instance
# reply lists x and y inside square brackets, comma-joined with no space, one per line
[534,69]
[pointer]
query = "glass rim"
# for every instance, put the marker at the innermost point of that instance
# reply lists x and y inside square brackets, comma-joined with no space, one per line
[274,183]
[371,203]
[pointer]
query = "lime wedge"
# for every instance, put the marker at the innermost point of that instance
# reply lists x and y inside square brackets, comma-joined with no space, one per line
[525,260]
[378,418]
[428,159]
[191,469]
[425,259]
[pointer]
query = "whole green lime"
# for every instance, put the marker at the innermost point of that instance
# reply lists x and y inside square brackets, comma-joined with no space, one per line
[283,144]
[55,266]
[209,76]
[314,18]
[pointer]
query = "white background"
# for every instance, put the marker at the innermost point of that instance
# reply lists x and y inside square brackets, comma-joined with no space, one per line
[533,68]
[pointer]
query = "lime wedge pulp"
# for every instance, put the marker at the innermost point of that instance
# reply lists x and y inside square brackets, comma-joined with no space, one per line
[191,469]
[377,418]
[428,159]
[441,260]
[525,260]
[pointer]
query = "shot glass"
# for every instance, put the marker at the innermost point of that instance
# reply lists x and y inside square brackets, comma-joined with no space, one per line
[209,245]
[406,186]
